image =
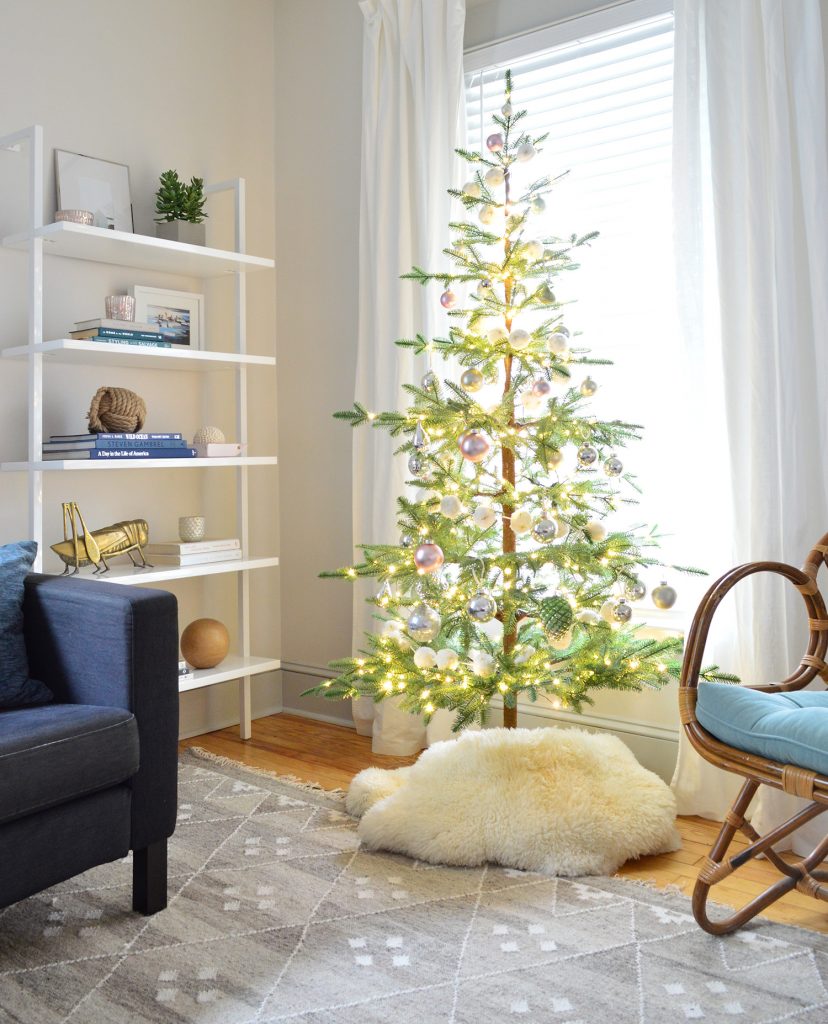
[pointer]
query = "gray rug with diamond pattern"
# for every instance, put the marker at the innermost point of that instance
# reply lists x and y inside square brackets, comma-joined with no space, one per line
[276,915]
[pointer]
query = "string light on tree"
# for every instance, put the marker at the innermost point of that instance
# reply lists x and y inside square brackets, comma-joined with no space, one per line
[510,559]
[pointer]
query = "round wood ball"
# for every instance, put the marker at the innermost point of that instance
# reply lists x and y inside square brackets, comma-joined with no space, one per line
[205,643]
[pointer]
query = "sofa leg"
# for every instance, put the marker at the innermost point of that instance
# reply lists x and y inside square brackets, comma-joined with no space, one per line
[149,878]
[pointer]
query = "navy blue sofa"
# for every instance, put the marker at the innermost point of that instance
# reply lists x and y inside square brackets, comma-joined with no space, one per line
[93,775]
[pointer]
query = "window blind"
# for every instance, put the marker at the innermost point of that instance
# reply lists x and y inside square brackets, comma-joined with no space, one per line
[606,103]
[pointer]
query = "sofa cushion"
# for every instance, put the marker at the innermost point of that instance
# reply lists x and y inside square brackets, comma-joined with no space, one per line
[791,728]
[52,754]
[16,689]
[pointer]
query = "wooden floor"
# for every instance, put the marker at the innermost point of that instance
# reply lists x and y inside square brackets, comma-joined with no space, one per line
[331,755]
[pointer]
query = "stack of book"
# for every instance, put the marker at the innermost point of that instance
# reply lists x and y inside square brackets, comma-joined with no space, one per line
[120,332]
[197,552]
[123,447]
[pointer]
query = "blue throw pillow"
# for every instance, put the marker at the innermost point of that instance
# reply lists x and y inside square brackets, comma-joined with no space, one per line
[16,689]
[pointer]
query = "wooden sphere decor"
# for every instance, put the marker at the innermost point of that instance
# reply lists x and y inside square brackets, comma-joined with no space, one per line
[205,643]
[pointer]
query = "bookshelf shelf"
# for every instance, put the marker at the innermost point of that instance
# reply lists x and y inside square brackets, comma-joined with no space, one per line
[101,353]
[143,252]
[128,576]
[104,465]
[234,666]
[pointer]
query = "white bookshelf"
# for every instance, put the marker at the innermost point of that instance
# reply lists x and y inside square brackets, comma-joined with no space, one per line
[108,465]
[142,252]
[134,357]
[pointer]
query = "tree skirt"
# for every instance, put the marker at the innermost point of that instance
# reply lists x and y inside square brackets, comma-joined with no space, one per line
[276,914]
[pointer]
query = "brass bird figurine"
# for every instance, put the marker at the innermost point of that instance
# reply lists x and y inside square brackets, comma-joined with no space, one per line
[86,547]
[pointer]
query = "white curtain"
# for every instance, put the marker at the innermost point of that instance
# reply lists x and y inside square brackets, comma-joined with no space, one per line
[412,86]
[751,192]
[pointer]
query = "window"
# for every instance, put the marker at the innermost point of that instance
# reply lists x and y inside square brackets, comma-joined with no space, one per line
[605,99]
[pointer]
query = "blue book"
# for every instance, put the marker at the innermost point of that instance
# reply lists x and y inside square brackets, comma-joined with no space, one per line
[115,443]
[141,343]
[122,455]
[115,333]
[137,438]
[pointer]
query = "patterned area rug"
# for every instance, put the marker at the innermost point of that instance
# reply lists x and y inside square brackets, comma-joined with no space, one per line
[276,915]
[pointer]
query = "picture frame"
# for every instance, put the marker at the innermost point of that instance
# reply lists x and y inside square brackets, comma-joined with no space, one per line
[180,315]
[99,186]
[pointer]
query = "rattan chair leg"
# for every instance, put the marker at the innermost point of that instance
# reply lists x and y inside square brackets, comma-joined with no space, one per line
[717,866]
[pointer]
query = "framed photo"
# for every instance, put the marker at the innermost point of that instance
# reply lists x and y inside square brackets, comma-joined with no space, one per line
[179,315]
[100,186]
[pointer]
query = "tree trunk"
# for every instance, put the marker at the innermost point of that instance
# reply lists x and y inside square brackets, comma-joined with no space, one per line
[509,718]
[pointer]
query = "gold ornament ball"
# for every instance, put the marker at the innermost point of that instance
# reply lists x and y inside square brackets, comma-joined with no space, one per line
[205,643]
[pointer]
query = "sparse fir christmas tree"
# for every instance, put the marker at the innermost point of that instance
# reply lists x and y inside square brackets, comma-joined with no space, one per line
[508,577]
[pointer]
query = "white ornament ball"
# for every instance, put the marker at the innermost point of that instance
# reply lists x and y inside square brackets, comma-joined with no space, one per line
[531,401]
[473,189]
[538,204]
[484,517]
[483,664]
[533,250]
[451,506]
[447,659]
[425,657]
[562,642]
[208,435]
[525,151]
[554,458]
[392,628]
[521,521]
[497,334]
[595,531]
[486,215]
[588,616]
[494,177]
[506,109]
[558,344]
[519,339]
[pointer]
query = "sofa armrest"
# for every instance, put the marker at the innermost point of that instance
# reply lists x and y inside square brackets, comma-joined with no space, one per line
[115,646]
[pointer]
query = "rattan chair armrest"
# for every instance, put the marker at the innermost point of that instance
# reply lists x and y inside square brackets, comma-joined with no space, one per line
[812,664]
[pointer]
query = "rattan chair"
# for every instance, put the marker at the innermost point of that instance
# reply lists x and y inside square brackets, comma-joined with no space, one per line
[757,770]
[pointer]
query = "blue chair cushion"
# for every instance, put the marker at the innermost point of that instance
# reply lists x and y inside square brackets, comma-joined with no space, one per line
[791,728]
[16,689]
[52,754]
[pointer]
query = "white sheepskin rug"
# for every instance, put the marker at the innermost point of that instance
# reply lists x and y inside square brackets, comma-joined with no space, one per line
[560,801]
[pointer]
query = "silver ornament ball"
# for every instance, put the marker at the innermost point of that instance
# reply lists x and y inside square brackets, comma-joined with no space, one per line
[429,380]
[588,387]
[664,596]
[494,143]
[416,466]
[482,607]
[622,612]
[448,300]
[635,591]
[545,530]
[406,540]
[538,204]
[546,295]
[423,623]
[613,466]
[541,387]
[587,455]
[471,379]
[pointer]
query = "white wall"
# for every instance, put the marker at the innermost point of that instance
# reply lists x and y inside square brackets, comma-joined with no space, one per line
[164,83]
[318,87]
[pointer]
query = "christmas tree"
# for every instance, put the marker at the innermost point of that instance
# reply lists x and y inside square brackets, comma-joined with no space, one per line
[508,577]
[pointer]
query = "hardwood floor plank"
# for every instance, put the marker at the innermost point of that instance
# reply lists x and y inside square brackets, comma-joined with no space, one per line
[331,755]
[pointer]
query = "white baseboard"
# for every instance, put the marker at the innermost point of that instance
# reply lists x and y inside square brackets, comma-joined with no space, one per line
[317,717]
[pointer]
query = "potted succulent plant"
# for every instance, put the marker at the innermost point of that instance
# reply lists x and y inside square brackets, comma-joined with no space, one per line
[180,207]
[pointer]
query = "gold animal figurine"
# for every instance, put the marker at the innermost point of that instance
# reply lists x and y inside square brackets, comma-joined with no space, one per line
[87,547]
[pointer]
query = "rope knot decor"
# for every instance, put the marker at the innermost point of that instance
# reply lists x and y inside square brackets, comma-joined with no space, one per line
[118,410]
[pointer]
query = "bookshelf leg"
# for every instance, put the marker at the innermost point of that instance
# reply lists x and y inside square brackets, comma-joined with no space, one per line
[245,709]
